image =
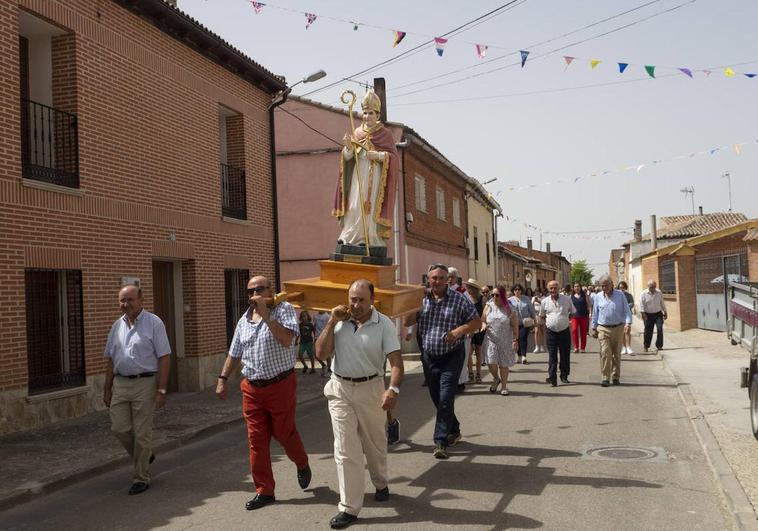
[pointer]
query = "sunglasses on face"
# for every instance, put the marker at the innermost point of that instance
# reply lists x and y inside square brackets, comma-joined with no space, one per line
[256,290]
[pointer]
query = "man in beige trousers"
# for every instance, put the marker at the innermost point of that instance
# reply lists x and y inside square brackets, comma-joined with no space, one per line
[136,352]
[359,342]
[611,319]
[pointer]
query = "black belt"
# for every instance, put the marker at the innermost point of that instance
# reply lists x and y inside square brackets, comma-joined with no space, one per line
[361,379]
[265,383]
[141,375]
[612,326]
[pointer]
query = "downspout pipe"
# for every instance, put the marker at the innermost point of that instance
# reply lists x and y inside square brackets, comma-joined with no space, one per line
[278,100]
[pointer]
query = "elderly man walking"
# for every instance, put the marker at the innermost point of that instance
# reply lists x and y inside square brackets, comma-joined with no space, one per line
[557,310]
[445,318]
[137,349]
[611,318]
[265,342]
[360,341]
[653,311]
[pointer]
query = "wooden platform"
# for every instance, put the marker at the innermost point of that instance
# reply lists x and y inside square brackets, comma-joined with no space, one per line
[330,289]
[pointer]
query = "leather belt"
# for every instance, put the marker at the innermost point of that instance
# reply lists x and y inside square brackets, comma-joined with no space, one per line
[141,375]
[612,326]
[357,380]
[265,383]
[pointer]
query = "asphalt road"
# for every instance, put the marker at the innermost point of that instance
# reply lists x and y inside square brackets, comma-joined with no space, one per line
[523,464]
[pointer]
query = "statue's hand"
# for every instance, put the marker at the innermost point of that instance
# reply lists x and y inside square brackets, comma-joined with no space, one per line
[375,155]
[347,141]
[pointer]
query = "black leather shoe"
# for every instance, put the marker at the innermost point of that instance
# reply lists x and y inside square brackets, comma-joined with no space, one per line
[551,382]
[342,520]
[605,383]
[564,379]
[616,382]
[152,458]
[259,501]
[382,495]
[138,488]
[304,477]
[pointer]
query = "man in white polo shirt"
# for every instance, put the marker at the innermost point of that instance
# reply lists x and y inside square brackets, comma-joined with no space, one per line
[653,311]
[136,352]
[359,342]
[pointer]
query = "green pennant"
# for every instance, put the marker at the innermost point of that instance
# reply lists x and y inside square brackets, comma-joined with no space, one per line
[650,70]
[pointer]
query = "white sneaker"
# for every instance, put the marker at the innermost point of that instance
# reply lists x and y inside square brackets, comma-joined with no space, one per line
[623,350]
[536,350]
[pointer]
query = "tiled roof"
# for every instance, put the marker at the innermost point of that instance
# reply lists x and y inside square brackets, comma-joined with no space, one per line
[697,225]
[751,236]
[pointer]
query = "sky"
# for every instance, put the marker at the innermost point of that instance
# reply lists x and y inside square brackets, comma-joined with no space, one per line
[547,121]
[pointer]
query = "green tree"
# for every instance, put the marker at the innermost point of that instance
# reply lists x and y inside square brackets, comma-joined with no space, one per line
[581,273]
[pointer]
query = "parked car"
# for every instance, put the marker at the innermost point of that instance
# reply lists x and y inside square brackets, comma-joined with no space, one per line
[743,331]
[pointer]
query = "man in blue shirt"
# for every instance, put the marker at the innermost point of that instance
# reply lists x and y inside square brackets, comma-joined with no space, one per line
[445,318]
[611,318]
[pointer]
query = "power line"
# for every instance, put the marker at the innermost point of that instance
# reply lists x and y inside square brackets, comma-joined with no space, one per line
[486,16]
[587,231]
[309,126]
[498,58]
[543,55]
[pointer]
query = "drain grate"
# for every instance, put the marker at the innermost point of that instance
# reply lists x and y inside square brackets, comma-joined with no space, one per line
[624,453]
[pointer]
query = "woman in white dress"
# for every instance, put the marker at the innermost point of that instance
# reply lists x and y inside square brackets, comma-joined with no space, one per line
[500,339]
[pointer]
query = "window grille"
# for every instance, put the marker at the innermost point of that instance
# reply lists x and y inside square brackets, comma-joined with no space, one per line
[668,277]
[235,290]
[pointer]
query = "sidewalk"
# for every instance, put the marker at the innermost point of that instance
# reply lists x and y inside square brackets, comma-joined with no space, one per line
[41,461]
[706,367]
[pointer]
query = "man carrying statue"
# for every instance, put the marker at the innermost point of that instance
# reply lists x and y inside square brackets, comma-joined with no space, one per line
[368,178]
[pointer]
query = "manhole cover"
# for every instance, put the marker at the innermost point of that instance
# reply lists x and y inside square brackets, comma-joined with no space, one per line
[624,453]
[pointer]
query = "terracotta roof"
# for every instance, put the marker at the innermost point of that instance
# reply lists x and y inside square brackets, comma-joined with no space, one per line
[697,225]
[751,236]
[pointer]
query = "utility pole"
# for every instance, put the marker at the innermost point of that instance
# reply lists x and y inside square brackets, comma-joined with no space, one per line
[689,190]
[728,178]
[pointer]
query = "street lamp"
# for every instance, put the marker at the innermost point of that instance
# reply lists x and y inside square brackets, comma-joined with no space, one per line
[278,99]
[728,177]
[489,181]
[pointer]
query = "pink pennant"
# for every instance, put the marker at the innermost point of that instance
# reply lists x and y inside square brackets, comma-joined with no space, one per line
[311,18]
[257,6]
[568,60]
[481,50]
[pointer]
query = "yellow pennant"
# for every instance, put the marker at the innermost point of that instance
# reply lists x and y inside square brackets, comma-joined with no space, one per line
[728,72]
[594,62]
[737,148]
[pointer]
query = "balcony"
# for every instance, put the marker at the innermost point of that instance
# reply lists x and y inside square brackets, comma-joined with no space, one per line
[233,192]
[49,145]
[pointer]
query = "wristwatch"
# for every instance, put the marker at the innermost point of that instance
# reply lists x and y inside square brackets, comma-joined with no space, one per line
[394,389]
[162,391]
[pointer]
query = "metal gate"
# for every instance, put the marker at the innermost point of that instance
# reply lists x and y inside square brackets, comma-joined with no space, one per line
[713,275]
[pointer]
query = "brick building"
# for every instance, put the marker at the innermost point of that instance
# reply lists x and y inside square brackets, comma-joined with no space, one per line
[430,215]
[136,146]
[539,267]
[694,273]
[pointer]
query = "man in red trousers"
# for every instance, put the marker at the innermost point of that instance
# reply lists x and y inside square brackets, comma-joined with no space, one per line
[264,341]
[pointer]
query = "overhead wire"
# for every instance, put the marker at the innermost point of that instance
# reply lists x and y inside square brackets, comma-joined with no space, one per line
[486,16]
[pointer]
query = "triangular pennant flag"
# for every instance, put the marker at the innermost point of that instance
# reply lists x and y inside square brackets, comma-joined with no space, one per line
[355,25]
[640,167]
[310,18]
[439,42]
[714,150]
[737,148]
[594,62]
[622,67]
[728,72]
[399,36]
[650,69]
[686,71]
[707,73]
[750,75]
[524,55]
[257,6]
[568,60]
[481,50]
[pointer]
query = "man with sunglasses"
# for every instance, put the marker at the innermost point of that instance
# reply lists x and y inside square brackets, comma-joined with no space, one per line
[445,318]
[265,343]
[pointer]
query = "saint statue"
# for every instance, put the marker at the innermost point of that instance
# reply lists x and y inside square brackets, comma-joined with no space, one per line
[368,179]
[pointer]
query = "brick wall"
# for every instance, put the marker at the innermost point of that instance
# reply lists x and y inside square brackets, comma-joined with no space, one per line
[685,292]
[752,261]
[147,110]
[427,231]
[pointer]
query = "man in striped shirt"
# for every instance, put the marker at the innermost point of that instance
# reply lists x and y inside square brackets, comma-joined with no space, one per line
[265,343]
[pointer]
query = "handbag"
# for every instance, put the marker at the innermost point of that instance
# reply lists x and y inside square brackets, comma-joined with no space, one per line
[528,322]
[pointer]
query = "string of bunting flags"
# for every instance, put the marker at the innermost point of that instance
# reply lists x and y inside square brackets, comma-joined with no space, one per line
[481,48]
[569,235]
[737,148]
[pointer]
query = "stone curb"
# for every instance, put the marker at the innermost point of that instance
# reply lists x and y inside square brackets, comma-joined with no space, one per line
[57,483]
[733,495]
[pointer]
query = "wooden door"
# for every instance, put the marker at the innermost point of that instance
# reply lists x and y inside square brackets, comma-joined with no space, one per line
[164,307]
